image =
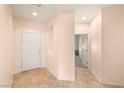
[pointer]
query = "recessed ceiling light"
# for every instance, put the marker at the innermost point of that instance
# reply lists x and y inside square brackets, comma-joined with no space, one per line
[34,14]
[83,18]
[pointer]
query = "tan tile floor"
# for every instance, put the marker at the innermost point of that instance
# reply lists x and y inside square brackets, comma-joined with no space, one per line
[42,78]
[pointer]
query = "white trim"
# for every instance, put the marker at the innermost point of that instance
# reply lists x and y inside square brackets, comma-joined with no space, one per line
[7,85]
[81,32]
[11,81]
[95,75]
[116,84]
[70,79]
[105,82]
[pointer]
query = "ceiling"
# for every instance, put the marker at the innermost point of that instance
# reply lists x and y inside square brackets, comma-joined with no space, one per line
[46,11]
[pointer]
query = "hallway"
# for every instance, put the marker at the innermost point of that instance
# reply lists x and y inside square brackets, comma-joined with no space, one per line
[42,78]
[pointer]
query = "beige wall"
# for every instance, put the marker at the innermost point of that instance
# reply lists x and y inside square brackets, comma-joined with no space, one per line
[106,51]
[6,46]
[51,62]
[113,46]
[82,28]
[22,25]
[107,48]
[62,48]
[95,46]
[65,46]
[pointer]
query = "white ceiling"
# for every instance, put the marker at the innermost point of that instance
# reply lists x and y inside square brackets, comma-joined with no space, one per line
[46,11]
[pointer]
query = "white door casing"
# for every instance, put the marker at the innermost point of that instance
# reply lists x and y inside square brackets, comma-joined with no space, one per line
[30,50]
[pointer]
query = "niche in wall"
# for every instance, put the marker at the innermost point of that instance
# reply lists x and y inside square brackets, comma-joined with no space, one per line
[50,40]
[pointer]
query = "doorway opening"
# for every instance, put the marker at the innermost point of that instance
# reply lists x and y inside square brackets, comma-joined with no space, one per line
[81,50]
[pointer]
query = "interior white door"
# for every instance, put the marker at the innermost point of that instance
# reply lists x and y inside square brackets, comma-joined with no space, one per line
[31,49]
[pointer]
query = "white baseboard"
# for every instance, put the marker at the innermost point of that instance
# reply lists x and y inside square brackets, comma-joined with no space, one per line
[114,84]
[4,86]
[7,85]
[11,81]
[95,74]
[52,72]
[70,79]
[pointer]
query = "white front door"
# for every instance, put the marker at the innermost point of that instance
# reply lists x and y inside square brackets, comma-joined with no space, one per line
[31,49]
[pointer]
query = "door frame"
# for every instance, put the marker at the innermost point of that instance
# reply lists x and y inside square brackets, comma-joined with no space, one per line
[36,32]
